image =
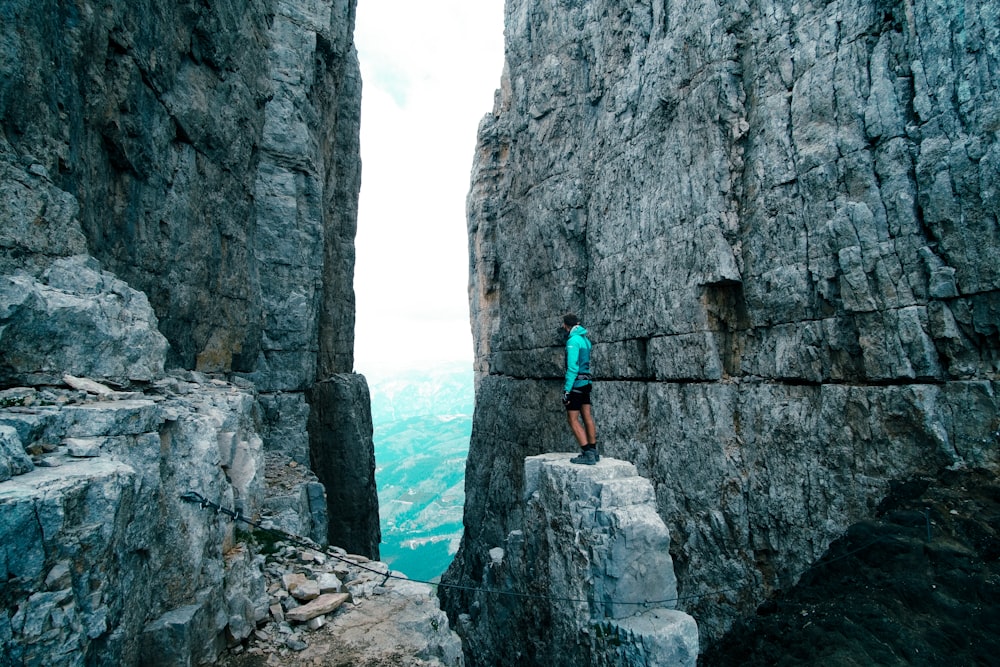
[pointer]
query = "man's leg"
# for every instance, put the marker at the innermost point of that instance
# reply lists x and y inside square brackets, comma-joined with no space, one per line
[573,417]
[588,423]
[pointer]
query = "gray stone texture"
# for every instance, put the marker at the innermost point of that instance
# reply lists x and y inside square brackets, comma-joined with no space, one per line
[343,458]
[80,320]
[13,459]
[205,154]
[101,559]
[780,222]
[588,573]
[178,189]
[284,420]
[206,157]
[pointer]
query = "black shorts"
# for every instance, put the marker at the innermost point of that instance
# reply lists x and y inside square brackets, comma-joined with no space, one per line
[579,397]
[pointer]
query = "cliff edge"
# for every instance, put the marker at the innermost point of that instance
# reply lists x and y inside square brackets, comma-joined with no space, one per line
[779,222]
[587,573]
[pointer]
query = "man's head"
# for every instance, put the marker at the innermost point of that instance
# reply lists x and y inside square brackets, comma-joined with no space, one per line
[570,320]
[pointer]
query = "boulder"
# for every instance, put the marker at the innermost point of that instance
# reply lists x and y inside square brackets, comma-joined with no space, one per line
[324,604]
[76,320]
[13,460]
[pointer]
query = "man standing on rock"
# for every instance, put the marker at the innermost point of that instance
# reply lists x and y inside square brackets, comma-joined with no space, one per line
[576,390]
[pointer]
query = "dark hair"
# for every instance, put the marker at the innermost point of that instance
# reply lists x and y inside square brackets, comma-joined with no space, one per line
[570,320]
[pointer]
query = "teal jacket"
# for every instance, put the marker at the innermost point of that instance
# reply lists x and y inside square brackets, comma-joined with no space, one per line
[577,359]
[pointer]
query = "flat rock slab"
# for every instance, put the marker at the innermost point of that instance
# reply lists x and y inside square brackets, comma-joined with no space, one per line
[129,417]
[324,604]
[88,385]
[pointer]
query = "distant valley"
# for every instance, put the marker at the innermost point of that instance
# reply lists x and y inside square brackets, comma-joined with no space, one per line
[422,423]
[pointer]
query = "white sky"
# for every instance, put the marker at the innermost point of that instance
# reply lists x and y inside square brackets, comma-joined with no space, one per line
[429,70]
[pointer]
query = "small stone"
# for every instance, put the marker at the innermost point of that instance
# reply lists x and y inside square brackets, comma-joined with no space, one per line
[277,612]
[316,623]
[329,583]
[87,385]
[300,587]
[324,604]
[83,448]
[296,644]
[357,559]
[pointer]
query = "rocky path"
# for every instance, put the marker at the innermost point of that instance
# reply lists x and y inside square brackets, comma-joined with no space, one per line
[918,585]
[339,609]
[333,608]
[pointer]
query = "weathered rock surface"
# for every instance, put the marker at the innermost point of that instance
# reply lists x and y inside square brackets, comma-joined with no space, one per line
[83,536]
[210,154]
[343,457]
[779,221]
[77,319]
[365,615]
[918,583]
[208,157]
[589,573]
[13,459]
[178,189]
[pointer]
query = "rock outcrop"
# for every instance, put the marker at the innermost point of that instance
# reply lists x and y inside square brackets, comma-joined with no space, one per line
[588,572]
[780,222]
[76,320]
[208,157]
[178,200]
[100,558]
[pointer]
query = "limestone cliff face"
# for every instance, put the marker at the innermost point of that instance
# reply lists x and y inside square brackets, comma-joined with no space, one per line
[780,222]
[206,154]
[178,199]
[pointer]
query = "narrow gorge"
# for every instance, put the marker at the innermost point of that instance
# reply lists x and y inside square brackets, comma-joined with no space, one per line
[778,219]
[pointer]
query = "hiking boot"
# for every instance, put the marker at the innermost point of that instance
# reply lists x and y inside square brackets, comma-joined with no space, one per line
[588,457]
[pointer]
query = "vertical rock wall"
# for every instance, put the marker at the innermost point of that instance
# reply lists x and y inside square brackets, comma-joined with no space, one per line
[178,199]
[207,154]
[780,222]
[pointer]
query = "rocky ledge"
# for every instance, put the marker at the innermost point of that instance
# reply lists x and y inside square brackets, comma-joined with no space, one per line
[588,579]
[92,518]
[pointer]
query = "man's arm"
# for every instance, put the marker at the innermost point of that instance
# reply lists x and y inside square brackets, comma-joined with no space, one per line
[572,364]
